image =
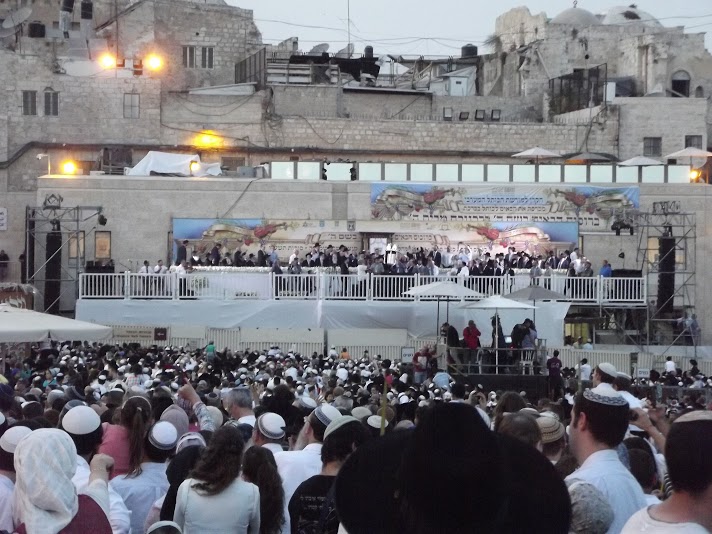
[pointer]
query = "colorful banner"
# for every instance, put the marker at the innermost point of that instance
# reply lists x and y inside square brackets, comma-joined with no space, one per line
[590,207]
[408,235]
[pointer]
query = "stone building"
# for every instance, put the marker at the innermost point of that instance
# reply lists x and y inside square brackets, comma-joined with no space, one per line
[174,90]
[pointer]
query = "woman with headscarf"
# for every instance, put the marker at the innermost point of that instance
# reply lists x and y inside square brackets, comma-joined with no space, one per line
[215,498]
[46,499]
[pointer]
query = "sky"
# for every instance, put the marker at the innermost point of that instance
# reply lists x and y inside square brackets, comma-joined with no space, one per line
[439,28]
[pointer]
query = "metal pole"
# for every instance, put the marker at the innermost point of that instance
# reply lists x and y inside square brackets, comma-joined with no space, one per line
[348,24]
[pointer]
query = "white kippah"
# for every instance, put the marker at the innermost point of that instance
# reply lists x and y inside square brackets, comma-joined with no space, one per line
[163,435]
[375,421]
[326,414]
[11,437]
[271,425]
[81,420]
[607,368]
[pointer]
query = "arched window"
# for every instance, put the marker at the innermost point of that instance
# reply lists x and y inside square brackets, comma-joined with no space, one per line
[699,92]
[681,83]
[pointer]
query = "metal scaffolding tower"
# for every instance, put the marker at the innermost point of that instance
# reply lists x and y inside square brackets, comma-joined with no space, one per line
[670,271]
[54,238]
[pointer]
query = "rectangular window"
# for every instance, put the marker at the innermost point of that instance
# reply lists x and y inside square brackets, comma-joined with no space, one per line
[131,106]
[189,57]
[653,147]
[29,102]
[51,104]
[206,61]
[693,141]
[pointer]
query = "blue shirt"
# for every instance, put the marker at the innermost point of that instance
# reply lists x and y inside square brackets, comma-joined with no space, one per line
[606,271]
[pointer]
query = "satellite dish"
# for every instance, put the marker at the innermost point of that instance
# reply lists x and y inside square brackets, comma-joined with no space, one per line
[346,52]
[319,49]
[7,32]
[15,18]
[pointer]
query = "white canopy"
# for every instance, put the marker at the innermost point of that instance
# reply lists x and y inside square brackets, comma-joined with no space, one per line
[689,152]
[443,289]
[536,153]
[18,325]
[499,303]
[640,161]
[167,163]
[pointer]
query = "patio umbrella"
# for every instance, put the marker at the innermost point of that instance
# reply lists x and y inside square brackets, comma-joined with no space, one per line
[535,293]
[689,152]
[445,289]
[640,161]
[536,154]
[497,303]
[586,158]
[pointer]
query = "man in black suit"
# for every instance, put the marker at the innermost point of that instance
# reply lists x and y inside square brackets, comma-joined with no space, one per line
[182,254]
[452,340]
[438,259]
[261,257]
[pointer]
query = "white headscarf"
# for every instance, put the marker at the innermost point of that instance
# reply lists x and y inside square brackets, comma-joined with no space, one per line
[45,496]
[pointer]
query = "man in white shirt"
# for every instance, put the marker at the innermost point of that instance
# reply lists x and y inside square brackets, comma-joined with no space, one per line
[238,403]
[269,432]
[585,370]
[140,491]
[294,256]
[599,422]
[304,462]
[574,255]
[670,366]
[689,509]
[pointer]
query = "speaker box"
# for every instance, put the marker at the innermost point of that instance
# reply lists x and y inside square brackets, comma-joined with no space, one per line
[666,274]
[53,272]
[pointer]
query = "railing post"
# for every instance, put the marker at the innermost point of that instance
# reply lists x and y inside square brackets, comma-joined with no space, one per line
[599,290]
[271,286]
[127,285]
[175,283]
[369,287]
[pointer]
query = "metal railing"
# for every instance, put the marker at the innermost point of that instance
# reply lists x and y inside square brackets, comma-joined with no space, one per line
[326,286]
[10,272]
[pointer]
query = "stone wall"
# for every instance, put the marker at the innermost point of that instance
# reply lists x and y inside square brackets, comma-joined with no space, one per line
[332,101]
[670,118]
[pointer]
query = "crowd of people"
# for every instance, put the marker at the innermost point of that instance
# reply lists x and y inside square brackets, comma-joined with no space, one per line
[461,260]
[102,438]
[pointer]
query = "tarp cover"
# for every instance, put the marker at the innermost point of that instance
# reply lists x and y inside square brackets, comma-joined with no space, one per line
[19,325]
[167,163]
[418,318]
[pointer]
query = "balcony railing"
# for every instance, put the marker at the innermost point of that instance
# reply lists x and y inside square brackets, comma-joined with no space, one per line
[326,286]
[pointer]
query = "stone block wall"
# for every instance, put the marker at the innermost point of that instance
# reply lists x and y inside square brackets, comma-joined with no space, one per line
[668,118]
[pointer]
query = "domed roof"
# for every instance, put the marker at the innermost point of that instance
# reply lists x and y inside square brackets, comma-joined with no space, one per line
[575,16]
[630,15]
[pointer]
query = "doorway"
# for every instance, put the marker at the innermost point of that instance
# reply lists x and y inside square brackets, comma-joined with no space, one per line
[376,243]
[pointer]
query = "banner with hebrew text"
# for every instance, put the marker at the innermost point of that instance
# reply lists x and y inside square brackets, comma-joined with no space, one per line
[592,208]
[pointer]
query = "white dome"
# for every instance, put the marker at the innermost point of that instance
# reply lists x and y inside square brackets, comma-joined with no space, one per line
[575,16]
[630,16]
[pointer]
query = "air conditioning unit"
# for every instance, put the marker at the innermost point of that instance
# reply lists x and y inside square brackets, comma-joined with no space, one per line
[246,172]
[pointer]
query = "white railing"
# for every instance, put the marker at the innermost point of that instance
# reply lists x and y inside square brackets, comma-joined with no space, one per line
[325,286]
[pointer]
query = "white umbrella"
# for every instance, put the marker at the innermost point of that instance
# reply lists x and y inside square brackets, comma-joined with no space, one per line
[18,325]
[689,152]
[640,161]
[535,293]
[536,153]
[497,303]
[446,289]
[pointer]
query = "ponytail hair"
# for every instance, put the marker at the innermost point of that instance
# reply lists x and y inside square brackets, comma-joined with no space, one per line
[136,417]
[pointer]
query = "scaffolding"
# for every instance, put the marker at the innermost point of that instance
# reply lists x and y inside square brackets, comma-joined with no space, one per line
[668,318]
[670,314]
[71,226]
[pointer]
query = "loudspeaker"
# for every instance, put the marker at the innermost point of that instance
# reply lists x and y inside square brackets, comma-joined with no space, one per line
[87,10]
[666,273]
[53,272]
